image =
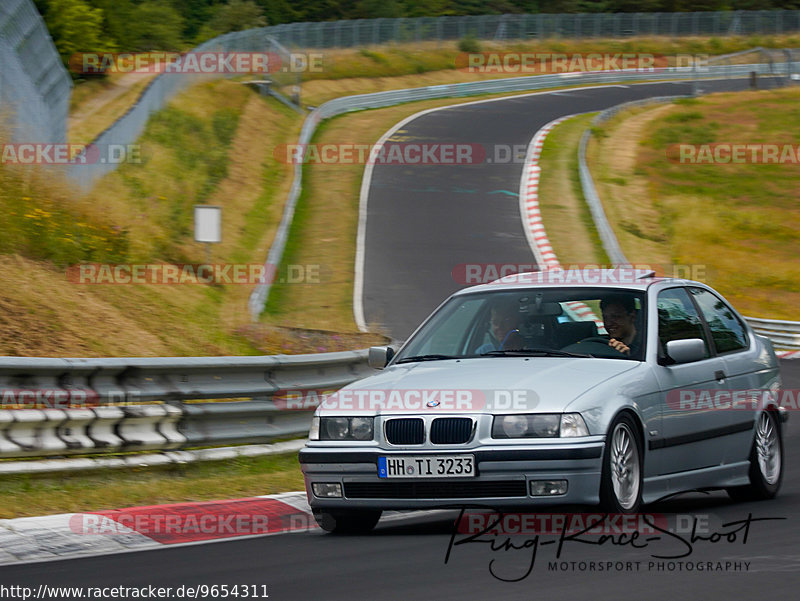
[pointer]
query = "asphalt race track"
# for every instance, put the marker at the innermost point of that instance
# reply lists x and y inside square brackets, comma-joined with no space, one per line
[404,559]
[422,222]
[425,220]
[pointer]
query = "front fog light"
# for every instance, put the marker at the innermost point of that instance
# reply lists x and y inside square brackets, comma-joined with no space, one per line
[327,489]
[548,488]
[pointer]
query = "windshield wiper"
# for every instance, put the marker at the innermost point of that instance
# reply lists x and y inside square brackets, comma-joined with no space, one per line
[540,352]
[425,358]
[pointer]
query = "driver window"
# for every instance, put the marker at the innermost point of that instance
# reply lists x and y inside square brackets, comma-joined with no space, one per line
[678,319]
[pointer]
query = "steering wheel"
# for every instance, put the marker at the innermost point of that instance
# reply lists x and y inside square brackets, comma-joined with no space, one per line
[586,345]
[509,338]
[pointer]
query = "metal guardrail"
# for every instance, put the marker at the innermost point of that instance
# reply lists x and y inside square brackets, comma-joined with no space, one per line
[601,224]
[346,104]
[783,334]
[97,406]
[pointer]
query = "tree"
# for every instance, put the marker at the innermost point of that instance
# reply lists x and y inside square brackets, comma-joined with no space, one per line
[156,25]
[281,11]
[377,9]
[237,15]
[76,27]
[195,13]
[117,19]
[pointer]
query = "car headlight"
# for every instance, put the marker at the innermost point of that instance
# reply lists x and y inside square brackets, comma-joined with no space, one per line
[361,428]
[521,425]
[572,425]
[539,425]
[334,428]
[342,428]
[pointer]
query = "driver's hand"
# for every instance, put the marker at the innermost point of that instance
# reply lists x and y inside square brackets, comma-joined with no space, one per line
[620,346]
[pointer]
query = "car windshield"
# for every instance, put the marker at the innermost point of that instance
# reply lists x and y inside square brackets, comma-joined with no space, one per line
[555,322]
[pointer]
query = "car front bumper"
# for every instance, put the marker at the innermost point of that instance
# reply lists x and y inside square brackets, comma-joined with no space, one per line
[503,476]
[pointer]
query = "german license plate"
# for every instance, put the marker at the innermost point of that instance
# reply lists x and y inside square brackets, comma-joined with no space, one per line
[426,466]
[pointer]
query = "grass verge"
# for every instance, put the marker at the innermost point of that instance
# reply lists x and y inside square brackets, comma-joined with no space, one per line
[43,494]
[565,214]
[212,145]
[736,224]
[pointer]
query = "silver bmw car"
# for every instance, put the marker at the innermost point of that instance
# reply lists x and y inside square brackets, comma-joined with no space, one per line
[610,387]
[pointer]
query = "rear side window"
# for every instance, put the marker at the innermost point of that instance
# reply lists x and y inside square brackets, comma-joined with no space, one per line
[727,331]
[678,319]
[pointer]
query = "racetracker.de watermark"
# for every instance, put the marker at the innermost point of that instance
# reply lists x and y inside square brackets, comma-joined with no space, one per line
[204,62]
[54,398]
[192,273]
[530,524]
[470,274]
[401,153]
[536,63]
[412,400]
[715,399]
[390,153]
[155,523]
[726,153]
[41,153]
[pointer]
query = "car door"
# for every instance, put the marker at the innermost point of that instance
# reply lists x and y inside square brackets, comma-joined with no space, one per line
[744,374]
[690,429]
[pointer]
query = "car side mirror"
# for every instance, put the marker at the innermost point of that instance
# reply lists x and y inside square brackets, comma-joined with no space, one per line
[687,350]
[379,356]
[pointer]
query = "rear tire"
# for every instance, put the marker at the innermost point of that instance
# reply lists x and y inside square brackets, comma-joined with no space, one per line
[347,521]
[623,468]
[766,462]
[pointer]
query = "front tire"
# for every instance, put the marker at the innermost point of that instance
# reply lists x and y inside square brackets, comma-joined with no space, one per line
[623,468]
[344,521]
[766,462]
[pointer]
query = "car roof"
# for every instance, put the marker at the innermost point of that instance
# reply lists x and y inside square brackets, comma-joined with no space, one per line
[620,278]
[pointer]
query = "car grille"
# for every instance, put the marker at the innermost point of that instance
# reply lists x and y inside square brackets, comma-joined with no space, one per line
[451,430]
[405,431]
[434,490]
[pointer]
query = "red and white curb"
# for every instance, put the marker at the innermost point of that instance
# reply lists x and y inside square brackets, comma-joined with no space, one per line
[529,199]
[69,535]
[532,215]
[107,532]
[788,354]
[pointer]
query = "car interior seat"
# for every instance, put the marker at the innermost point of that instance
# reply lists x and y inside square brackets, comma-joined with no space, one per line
[571,332]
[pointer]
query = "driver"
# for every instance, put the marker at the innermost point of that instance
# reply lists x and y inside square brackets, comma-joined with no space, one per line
[503,332]
[619,318]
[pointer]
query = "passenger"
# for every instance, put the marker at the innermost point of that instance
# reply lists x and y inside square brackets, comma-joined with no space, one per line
[503,332]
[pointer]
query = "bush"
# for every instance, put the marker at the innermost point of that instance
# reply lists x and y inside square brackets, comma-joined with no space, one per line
[469,43]
[42,220]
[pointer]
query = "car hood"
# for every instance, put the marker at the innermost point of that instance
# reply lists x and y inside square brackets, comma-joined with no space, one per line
[542,384]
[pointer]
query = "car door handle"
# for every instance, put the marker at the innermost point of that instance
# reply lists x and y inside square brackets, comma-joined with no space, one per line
[719,375]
